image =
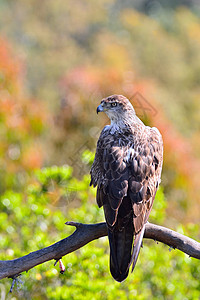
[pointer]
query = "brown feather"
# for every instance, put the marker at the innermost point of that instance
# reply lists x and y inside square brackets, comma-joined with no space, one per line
[127,169]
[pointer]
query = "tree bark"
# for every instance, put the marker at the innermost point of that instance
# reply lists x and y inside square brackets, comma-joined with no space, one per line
[86,233]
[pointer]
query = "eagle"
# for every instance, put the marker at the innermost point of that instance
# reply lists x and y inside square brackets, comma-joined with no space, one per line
[127,171]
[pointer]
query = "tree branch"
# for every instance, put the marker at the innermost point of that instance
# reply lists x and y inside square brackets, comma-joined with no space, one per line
[86,233]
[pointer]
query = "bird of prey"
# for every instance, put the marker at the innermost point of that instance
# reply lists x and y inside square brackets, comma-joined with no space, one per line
[126,170]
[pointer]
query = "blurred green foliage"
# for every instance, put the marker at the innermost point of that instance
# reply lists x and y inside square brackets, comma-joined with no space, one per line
[71,55]
[32,220]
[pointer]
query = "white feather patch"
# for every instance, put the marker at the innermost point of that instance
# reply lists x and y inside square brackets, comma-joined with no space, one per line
[130,154]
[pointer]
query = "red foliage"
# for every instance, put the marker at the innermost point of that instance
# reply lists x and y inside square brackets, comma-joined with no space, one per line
[21,119]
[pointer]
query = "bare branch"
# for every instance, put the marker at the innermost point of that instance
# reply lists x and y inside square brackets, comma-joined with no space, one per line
[86,233]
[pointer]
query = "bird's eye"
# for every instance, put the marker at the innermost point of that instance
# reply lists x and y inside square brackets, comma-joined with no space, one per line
[113,104]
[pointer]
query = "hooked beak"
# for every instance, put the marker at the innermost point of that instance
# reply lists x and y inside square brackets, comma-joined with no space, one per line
[100,108]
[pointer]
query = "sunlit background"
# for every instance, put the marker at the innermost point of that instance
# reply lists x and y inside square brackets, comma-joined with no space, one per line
[58,59]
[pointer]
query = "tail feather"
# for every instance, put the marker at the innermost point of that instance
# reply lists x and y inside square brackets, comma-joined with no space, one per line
[121,232]
[122,251]
[136,248]
[121,242]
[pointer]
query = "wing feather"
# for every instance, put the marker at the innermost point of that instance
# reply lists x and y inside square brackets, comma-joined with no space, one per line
[128,176]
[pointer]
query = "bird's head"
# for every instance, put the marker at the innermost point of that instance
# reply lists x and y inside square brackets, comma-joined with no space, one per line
[117,107]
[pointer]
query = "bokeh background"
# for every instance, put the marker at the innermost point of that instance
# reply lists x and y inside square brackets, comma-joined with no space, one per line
[58,59]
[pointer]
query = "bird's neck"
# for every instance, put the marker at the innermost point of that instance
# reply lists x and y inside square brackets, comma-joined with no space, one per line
[127,123]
